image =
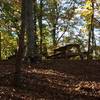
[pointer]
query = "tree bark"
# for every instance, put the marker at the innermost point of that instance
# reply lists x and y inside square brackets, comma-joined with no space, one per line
[0,47]
[31,29]
[19,54]
[54,35]
[0,35]
[40,26]
[91,42]
[55,16]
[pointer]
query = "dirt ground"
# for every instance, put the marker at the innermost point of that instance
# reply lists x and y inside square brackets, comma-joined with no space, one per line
[52,80]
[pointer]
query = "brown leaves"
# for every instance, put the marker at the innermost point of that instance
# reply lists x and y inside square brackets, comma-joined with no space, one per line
[63,81]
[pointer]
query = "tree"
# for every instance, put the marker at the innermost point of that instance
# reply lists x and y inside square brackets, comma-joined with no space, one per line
[10,26]
[53,15]
[40,24]
[31,29]
[89,17]
[0,33]
[20,45]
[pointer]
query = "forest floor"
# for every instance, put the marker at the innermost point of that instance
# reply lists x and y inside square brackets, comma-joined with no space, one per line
[52,80]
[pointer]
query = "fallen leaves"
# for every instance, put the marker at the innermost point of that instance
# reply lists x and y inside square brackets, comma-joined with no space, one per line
[40,83]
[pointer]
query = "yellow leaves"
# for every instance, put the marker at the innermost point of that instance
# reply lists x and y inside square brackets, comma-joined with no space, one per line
[91,1]
[87,15]
[88,4]
[86,12]
[87,9]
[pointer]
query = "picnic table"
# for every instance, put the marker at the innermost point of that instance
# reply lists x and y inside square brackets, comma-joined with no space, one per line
[67,52]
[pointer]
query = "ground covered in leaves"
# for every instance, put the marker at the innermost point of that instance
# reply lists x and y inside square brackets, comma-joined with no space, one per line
[52,80]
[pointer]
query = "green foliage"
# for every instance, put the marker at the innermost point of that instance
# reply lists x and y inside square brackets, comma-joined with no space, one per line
[8,44]
[87,12]
[57,14]
[10,12]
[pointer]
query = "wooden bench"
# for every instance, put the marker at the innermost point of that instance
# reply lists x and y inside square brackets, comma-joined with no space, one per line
[65,52]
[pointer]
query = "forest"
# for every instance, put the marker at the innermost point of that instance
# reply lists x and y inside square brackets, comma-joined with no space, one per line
[49,49]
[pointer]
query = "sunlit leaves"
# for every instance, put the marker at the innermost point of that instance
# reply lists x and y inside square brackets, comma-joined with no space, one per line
[10,19]
[88,12]
[8,44]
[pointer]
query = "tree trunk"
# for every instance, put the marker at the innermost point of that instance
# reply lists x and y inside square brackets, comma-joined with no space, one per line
[91,42]
[55,18]
[19,55]
[0,46]
[40,26]
[31,30]
[92,30]
[0,34]
[54,35]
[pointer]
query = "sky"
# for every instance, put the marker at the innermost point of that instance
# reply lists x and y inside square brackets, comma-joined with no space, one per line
[81,23]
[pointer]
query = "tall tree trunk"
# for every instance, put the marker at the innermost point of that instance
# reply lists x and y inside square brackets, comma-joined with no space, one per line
[40,26]
[54,35]
[35,27]
[0,46]
[55,16]
[0,33]
[92,30]
[31,29]
[21,46]
[91,42]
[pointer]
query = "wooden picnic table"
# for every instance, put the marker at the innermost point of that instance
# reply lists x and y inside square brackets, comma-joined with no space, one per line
[67,48]
[65,51]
